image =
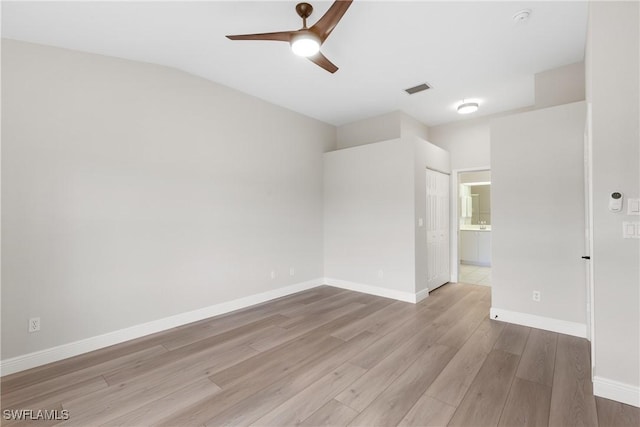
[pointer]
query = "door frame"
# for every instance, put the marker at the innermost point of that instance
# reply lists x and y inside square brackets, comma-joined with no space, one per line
[588,173]
[454,220]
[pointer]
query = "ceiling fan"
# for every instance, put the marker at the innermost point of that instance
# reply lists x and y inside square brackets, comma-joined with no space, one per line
[307,41]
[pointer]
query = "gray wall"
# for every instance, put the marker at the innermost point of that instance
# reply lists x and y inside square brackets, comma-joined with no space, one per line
[369,215]
[374,196]
[560,85]
[613,91]
[132,192]
[380,128]
[467,141]
[537,197]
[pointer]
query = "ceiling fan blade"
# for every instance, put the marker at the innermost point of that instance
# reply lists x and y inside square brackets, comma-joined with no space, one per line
[329,20]
[322,61]
[282,36]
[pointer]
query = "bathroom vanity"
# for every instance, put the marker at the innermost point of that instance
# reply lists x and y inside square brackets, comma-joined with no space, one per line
[475,245]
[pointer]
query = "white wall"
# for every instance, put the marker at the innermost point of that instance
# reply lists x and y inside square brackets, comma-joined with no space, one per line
[537,200]
[385,127]
[560,85]
[413,127]
[375,129]
[132,192]
[613,91]
[480,176]
[369,215]
[467,141]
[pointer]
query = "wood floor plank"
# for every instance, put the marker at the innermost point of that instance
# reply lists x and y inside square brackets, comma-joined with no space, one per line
[308,401]
[462,329]
[214,345]
[538,358]
[279,360]
[572,400]
[39,374]
[337,299]
[371,356]
[57,383]
[527,405]
[105,405]
[207,360]
[395,402]
[616,414]
[365,390]
[485,399]
[386,318]
[438,324]
[55,398]
[445,297]
[428,412]
[242,404]
[513,339]
[252,407]
[157,410]
[351,330]
[333,413]
[456,378]
[384,358]
[302,325]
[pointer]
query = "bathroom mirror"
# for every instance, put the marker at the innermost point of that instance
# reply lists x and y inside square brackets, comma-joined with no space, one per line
[475,203]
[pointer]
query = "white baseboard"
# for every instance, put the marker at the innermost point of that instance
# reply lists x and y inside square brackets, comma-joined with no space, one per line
[64,351]
[420,295]
[615,390]
[539,322]
[377,290]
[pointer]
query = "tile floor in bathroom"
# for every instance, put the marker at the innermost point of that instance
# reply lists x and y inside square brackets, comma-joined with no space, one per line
[475,274]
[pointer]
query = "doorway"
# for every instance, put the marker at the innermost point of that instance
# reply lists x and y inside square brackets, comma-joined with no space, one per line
[474,227]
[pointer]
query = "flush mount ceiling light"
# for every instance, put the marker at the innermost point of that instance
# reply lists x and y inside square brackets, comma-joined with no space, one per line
[467,107]
[305,43]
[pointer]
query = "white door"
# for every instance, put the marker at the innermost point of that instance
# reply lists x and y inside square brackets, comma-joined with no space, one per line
[437,229]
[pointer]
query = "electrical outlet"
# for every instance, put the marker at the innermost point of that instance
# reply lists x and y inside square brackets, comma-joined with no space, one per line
[292,272]
[273,274]
[536,296]
[381,274]
[34,324]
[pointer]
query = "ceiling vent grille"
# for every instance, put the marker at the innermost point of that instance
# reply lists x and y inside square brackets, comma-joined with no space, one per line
[416,89]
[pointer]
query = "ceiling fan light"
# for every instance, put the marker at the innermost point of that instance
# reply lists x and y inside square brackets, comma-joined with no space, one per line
[467,108]
[305,44]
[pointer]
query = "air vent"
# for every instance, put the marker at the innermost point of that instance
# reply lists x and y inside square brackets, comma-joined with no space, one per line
[417,89]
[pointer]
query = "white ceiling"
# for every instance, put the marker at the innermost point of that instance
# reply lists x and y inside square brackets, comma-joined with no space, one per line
[462,49]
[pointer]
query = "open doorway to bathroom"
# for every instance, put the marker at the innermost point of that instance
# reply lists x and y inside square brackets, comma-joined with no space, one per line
[474,227]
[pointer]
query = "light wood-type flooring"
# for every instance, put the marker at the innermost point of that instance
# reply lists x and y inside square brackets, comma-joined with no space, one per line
[331,357]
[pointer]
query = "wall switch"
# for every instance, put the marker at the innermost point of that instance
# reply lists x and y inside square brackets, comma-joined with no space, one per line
[34,324]
[381,274]
[631,230]
[273,274]
[292,272]
[420,222]
[536,296]
[633,206]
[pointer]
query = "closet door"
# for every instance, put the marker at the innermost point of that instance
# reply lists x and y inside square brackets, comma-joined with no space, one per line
[437,222]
